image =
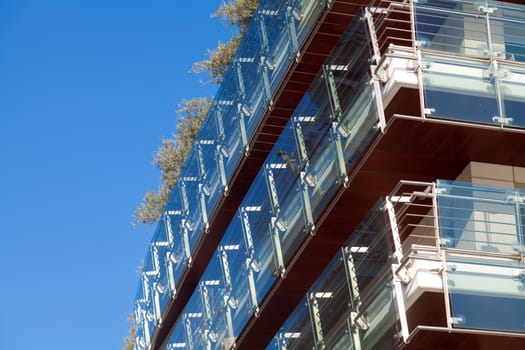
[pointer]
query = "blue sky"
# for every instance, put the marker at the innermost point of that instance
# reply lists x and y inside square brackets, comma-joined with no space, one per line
[87,91]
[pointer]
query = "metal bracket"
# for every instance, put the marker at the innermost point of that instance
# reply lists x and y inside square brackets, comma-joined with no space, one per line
[251,283]
[307,204]
[272,190]
[398,253]
[292,32]
[376,57]
[301,145]
[186,241]
[335,104]
[222,170]
[247,232]
[378,98]
[204,210]
[315,319]
[340,156]
[277,250]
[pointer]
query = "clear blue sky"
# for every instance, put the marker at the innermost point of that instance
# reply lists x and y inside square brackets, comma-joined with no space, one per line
[87,90]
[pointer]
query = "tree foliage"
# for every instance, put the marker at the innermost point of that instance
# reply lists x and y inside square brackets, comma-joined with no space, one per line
[129,340]
[236,15]
[170,157]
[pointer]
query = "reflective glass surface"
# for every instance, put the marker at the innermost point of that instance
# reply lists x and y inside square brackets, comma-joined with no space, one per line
[269,47]
[481,218]
[486,295]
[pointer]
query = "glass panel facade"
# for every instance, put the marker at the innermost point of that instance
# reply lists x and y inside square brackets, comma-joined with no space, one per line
[473,28]
[487,295]
[303,171]
[351,305]
[487,88]
[270,44]
[478,218]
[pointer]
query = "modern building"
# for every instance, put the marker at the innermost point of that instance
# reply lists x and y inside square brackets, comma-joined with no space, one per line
[358,183]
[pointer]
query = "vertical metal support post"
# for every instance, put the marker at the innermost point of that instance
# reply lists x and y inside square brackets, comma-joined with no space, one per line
[186,242]
[355,298]
[223,258]
[340,155]
[351,277]
[184,197]
[169,229]
[315,319]
[300,144]
[376,56]
[435,213]
[251,284]
[171,277]
[208,317]
[292,31]
[156,303]
[247,232]
[400,301]
[277,250]
[204,210]
[265,63]
[222,170]
[398,253]
[242,126]
[188,331]
[272,190]
[220,123]
[265,78]
[240,80]
[307,205]
[147,335]
[335,104]
[378,98]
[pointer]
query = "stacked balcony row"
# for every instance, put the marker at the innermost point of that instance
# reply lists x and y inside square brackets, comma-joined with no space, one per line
[270,45]
[320,145]
[363,298]
[305,168]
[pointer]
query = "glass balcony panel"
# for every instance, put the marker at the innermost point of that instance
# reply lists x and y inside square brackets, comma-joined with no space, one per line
[292,223]
[263,260]
[488,295]
[380,314]
[227,106]
[148,277]
[459,89]
[296,332]
[314,115]
[272,19]
[323,178]
[333,301]
[305,13]
[239,297]
[178,339]
[284,162]
[513,93]
[451,26]
[211,290]
[480,218]
[209,175]
[511,20]
[371,249]
[140,322]
[194,315]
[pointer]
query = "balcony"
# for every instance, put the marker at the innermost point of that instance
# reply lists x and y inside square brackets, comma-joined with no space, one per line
[268,186]
[433,265]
